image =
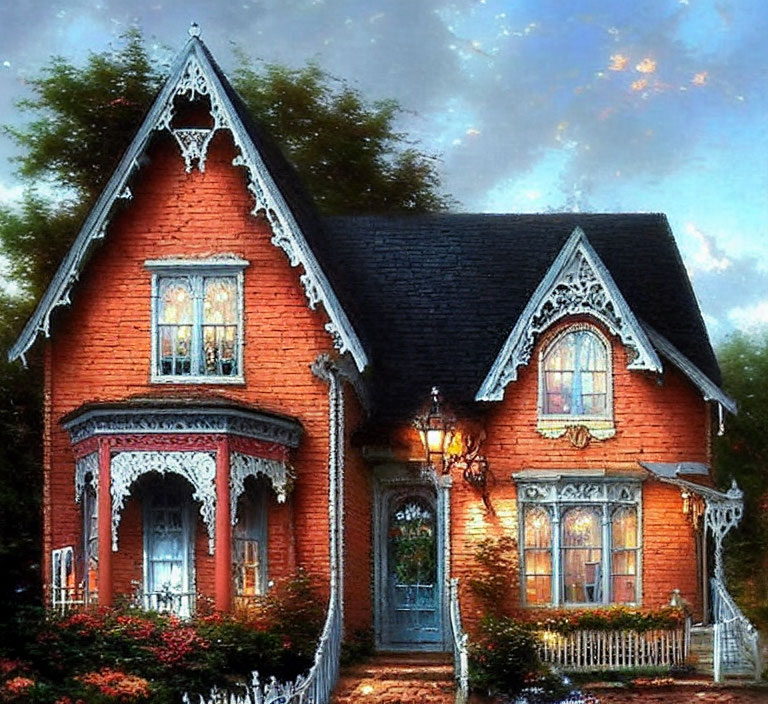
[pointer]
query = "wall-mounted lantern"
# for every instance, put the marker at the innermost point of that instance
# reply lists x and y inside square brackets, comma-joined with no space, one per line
[436,431]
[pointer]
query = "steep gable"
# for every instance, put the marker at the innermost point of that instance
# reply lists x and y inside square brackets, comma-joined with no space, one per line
[577,283]
[274,187]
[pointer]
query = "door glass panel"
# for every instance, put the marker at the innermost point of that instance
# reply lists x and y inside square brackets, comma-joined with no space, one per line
[167,551]
[413,582]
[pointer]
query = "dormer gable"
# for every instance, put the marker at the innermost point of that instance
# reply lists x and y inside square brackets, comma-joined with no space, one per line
[576,284]
[195,75]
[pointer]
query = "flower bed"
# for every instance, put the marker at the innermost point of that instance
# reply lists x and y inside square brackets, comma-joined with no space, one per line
[613,618]
[129,656]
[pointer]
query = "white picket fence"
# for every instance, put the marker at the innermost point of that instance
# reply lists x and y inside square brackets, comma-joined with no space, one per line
[614,650]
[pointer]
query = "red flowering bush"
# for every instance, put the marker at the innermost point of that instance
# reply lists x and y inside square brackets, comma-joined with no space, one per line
[177,645]
[115,686]
[16,688]
[122,656]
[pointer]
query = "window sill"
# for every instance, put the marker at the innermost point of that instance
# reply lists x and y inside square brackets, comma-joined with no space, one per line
[228,380]
[593,428]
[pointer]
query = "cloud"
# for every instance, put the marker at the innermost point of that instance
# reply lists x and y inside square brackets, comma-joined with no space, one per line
[708,256]
[734,296]
[751,317]
[11,195]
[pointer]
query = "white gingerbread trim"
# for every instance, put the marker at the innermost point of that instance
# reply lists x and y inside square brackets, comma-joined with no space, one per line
[708,388]
[243,466]
[199,468]
[577,283]
[193,75]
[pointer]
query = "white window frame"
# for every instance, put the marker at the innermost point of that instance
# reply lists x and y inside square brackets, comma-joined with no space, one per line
[197,270]
[63,567]
[601,426]
[557,495]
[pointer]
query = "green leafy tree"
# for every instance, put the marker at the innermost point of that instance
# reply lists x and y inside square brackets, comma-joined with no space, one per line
[347,151]
[742,454]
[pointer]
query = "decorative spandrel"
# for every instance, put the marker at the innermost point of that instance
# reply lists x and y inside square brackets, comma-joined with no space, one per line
[199,468]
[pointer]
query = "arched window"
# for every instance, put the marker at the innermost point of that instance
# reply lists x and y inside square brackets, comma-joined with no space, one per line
[574,378]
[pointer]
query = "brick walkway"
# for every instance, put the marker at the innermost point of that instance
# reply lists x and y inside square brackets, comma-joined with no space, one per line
[398,678]
[683,693]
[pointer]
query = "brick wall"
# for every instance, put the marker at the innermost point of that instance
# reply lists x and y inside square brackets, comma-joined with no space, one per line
[100,347]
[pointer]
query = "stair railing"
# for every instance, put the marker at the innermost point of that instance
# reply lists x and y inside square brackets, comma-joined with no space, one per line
[460,652]
[736,641]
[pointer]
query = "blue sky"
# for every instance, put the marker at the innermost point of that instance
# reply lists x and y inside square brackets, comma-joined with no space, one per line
[531,105]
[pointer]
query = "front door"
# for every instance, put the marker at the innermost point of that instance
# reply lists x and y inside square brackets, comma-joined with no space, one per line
[410,599]
[168,548]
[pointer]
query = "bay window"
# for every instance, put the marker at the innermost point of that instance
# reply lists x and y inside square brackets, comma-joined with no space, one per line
[580,541]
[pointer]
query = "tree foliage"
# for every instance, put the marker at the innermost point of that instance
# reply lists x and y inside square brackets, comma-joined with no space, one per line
[347,151]
[85,117]
[742,454]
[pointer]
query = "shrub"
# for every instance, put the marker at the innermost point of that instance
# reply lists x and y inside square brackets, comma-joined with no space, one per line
[494,582]
[613,618]
[504,661]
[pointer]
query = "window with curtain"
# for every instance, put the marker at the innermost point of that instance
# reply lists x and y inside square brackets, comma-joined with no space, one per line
[582,550]
[624,554]
[574,378]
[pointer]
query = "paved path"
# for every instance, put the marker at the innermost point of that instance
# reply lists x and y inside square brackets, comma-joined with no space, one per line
[683,693]
[397,678]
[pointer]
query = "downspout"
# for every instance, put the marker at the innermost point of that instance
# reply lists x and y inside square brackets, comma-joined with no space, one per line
[325,369]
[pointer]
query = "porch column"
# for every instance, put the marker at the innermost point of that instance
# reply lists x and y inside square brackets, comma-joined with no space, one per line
[223,557]
[105,524]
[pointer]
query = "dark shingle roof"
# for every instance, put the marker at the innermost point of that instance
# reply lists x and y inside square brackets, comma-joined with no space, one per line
[434,297]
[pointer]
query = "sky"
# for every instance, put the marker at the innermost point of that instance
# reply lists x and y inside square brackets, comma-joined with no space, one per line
[530,105]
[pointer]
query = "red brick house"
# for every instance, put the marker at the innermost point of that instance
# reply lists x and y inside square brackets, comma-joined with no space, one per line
[231,384]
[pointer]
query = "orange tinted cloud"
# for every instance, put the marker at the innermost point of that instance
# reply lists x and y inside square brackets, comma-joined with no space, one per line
[618,62]
[700,78]
[647,65]
[640,84]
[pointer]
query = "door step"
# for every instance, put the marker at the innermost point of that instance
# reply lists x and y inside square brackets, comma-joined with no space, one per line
[405,678]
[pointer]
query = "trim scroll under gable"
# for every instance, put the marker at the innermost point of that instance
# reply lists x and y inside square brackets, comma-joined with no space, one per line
[192,75]
[577,283]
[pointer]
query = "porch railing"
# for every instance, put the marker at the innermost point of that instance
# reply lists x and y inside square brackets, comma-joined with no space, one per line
[65,599]
[460,654]
[614,650]
[736,644]
[166,601]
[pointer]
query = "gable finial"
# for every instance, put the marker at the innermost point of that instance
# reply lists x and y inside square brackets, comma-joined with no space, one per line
[194,29]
